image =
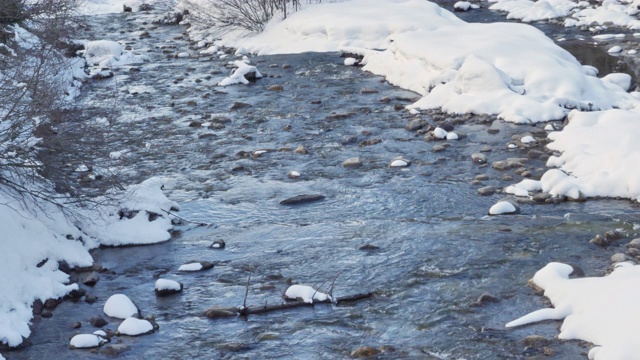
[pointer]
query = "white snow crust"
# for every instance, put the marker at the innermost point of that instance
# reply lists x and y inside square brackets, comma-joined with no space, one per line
[196,266]
[306,293]
[238,75]
[83,341]
[502,207]
[166,284]
[133,327]
[120,306]
[600,310]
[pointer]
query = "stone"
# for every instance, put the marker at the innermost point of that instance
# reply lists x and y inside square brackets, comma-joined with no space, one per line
[365,351]
[482,177]
[98,321]
[633,244]
[399,163]
[46,314]
[352,162]
[618,257]
[204,265]
[114,349]
[239,105]
[535,341]
[486,148]
[126,8]
[301,150]
[216,312]
[493,131]
[479,158]
[368,91]
[385,100]
[218,244]
[38,306]
[76,295]
[368,247]
[50,304]
[541,197]
[276,88]
[613,235]
[302,199]
[370,142]
[534,154]
[168,291]
[486,191]
[287,127]
[286,66]
[500,165]
[599,240]
[438,148]
[76,325]
[90,279]
[195,124]
[507,177]
[416,124]
[90,299]
[486,298]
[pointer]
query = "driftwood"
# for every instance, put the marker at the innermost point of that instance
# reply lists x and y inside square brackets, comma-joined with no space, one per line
[224,312]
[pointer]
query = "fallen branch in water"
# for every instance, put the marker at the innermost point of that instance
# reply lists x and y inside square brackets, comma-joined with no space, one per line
[185,220]
[216,312]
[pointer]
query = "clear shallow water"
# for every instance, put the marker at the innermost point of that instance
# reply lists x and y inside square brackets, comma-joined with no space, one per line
[438,252]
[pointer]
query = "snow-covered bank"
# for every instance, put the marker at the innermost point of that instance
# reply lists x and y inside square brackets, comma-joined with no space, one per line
[96,7]
[598,310]
[510,70]
[598,153]
[37,237]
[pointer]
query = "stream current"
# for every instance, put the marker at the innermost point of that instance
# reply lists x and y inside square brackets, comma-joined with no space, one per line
[435,251]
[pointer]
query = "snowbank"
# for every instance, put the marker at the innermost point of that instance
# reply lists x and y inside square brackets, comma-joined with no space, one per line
[598,310]
[107,53]
[511,70]
[95,7]
[37,237]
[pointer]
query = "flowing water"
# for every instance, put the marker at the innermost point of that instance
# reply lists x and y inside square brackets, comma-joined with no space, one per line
[437,251]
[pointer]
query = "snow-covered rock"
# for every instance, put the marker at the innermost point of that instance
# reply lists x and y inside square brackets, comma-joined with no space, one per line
[107,53]
[134,327]
[166,287]
[120,306]
[503,208]
[196,266]
[240,75]
[85,341]
[350,61]
[400,163]
[464,6]
[305,293]
[439,133]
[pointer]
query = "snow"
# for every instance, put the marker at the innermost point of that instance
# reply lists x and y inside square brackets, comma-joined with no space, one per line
[399,163]
[502,207]
[306,293]
[464,6]
[350,61]
[196,266]
[598,152]
[600,310]
[210,50]
[507,69]
[120,306]
[619,79]
[82,341]
[527,139]
[238,76]
[452,136]
[615,49]
[107,53]
[440,133]
[133,327]
[166,284]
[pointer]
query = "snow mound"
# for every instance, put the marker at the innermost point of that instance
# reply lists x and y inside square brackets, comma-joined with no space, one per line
[598,310]
[107,53]
[306,293]
[239,75]
[599,150]
[195,266]
[502,208]
[507,69]
[120,306]
[166,284]
[83,341]
[134,327]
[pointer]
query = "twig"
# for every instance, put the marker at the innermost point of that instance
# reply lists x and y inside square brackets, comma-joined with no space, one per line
[185,220]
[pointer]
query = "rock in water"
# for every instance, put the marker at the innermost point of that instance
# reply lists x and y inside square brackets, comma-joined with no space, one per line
[302,199]
[165,287]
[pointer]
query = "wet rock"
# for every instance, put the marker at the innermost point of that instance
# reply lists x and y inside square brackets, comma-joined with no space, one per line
[340,116]
[216,312]
[526,174]
[145,7]
[633,244]
[75,295]
[416,124]
[90,299]
[486,299]
[486,191]
[46,314]
[114,349]
[370,142]
[398,107]
[577,272]
[196,265]
[38,306]
[541,197]
[195,124]
[479,158]
[302,199]
[218,244]
[90,279]
[368,91]
[535,154]
[126,8]
[286,66]
[301,150]
[385,100]
[365,351]
[287,127]
[618,257]
[276,88]
[482,177]
[267,336]
[486,148]
[438,148]
[613,235]
[353,162]
[493,131]
[76,325]
[51,304]
[166,287]
[368,247]
[239,105]
[535,341]
[446,126]
[500,165]
[98,321]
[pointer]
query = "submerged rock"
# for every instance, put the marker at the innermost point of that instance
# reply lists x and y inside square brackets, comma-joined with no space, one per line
[352,162]
[302,199]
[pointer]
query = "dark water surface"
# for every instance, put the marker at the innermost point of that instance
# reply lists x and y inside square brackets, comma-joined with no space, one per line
[438,252]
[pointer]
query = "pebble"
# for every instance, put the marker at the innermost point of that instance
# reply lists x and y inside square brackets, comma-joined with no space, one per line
[478,158]
[301,150]
[365,351]
[368,91]
[416,124]
[500,165]
[352,162]
[618,257]
[293,175]
[482,177]
[98,321]
[302,199]
[90,299]
[535,341]
[218,244]
[438,148]
[486,191]
[276,88]
[90,279]
[486,298]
